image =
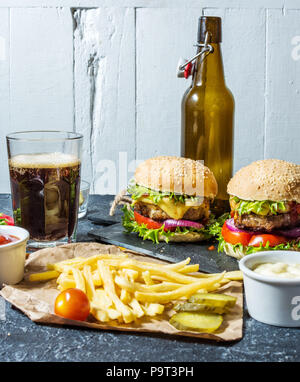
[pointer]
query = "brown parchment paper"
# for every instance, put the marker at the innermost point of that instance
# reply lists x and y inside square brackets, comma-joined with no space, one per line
[36,300]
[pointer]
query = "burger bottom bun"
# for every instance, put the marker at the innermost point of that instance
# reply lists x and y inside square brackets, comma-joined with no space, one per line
[238,253]
[183,238]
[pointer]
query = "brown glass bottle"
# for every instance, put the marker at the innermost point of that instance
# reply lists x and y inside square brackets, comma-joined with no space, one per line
[208,113]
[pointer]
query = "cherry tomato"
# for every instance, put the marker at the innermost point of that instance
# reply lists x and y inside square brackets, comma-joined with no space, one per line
[72,303]
[149,223]
[263,239]
[232,237]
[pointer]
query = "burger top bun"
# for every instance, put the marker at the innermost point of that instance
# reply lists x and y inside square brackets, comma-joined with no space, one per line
[178,175]
[268,179]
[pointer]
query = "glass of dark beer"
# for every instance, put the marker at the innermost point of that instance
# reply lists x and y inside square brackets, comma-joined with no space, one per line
[44,169]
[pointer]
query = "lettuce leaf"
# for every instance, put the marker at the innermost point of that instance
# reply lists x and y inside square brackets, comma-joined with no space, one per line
[138,191]
[264,207]
[215,225]
[131,225]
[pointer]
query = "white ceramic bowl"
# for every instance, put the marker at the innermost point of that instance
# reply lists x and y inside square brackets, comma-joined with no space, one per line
[272,300]
[12,255]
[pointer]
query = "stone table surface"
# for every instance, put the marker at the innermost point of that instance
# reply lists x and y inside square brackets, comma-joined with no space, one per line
[23,340]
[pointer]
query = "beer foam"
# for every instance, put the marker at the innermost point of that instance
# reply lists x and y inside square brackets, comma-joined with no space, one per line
[44,160]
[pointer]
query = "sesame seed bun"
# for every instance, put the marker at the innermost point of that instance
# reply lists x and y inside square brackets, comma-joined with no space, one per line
[268,179]
[178,175]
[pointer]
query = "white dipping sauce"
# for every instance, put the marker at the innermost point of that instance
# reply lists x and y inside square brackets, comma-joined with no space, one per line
[282,270]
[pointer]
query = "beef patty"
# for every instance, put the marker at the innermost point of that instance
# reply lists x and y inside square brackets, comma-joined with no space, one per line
[267,223]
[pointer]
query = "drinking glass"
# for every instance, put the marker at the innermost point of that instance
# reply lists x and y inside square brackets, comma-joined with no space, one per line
[44,169]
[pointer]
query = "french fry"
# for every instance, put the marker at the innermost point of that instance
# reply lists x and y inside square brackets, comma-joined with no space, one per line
[125,296]
[132,287]
[234,275]
[100,315]
[109,287]
[162,279]
[162,287]
[154,309]
[65,263]
[96,278]
[177,266]
[228,276]
[43,276]
[189,268]
[65,276]
[79,280]
[136,307]
[101,300]
[184,291]
[131,274]
[147,278]
[66,284]
[127,285]
[89,284]
[214,287]
[113,314]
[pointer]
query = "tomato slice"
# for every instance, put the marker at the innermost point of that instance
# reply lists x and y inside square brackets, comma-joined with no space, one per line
[232,237]
[6,220]
[72,303]
[149,223]
[264,239]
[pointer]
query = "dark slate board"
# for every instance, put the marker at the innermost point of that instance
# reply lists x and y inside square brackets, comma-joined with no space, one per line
[210,261]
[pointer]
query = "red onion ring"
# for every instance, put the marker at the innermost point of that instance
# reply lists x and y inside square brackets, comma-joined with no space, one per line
[172,224]
[230,225]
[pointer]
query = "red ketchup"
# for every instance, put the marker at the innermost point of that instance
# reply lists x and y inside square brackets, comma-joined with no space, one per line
[6,239]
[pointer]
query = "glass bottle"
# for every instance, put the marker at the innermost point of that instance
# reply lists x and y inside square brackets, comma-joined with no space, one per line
[208,113]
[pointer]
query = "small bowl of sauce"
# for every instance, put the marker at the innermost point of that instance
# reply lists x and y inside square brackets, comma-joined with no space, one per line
[13,242]
[272,287]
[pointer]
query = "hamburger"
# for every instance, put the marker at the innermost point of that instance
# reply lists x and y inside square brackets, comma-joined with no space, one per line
[171,199]
[265,209]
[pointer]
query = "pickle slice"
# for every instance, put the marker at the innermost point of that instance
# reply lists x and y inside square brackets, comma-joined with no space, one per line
[193,307]
[213,299]
[199,322]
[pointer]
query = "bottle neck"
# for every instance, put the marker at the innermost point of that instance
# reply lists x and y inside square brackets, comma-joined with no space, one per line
[209,70]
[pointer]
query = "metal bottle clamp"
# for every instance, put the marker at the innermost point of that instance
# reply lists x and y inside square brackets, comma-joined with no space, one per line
[185,67]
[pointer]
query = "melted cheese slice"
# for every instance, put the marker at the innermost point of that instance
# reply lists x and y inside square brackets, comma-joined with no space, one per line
[174,210]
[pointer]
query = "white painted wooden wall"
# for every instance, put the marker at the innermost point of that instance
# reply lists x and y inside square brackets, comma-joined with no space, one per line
[107,68]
